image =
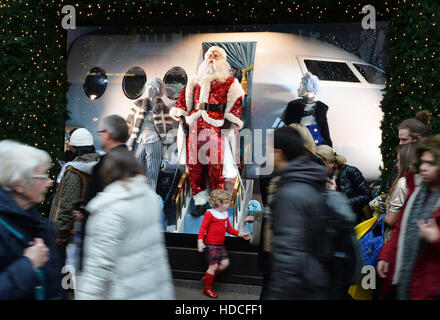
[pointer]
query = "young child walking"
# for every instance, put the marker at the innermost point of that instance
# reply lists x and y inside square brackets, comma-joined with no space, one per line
[211,238]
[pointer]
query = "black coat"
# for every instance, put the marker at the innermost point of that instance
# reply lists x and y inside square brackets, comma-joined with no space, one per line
[295,271]
[351,182]
[17,276]
[295,110]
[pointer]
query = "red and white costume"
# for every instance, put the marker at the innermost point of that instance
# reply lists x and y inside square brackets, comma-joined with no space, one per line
[214,226]
[229,93]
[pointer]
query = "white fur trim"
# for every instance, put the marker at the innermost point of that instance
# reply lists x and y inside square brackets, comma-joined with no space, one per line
[235,91]
[201,198]
[211,121]
[205,87]
[189,94]
[190,119]
[234,119]
[176,113]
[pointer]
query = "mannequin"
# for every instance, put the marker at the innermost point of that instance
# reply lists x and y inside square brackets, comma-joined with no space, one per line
[148,122]
[308,111]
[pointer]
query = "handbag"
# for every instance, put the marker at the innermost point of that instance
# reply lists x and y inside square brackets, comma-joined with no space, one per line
[372,241]
[370,235]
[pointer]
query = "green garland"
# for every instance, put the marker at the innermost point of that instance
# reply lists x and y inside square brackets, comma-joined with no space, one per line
[412,73]
[33,81]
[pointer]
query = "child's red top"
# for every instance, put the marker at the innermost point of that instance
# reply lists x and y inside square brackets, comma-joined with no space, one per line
[214,226]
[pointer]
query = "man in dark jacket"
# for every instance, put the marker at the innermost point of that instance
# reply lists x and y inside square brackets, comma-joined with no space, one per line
[296,272]
[113,134]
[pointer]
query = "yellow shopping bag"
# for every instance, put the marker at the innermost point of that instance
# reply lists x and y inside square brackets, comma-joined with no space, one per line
[363,227]
[356,291]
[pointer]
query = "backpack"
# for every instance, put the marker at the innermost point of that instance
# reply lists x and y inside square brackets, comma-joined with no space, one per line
[340,251]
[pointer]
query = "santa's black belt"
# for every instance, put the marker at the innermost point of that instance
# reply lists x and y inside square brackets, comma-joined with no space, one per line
[211,107]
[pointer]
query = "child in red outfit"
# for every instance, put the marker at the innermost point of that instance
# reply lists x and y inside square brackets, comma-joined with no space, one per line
[212,236]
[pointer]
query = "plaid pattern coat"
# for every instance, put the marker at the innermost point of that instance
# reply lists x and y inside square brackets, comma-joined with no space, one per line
[162,120]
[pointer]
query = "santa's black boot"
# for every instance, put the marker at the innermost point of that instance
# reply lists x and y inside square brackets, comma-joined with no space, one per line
[199,210]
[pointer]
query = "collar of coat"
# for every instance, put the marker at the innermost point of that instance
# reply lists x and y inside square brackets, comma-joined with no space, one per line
[125,189]
[235,91]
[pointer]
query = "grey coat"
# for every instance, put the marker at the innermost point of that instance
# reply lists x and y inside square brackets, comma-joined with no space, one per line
[295,271]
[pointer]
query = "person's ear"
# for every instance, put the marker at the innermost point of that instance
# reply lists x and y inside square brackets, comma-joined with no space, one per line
[18,186]
[278,154]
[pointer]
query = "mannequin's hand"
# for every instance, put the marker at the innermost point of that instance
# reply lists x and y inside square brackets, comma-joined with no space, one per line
[163,164]
[235,128]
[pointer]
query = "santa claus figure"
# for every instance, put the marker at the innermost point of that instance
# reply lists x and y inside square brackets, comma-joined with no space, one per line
[211,101]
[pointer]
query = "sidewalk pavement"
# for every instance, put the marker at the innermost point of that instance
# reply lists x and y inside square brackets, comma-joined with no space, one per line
[193,290]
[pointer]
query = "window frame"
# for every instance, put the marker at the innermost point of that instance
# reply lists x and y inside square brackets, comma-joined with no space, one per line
[362,81]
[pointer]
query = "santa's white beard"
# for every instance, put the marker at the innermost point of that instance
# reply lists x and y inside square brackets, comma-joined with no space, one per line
[217,70]
[208,72]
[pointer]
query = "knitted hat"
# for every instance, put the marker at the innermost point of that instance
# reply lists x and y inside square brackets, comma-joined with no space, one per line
[309,83]
[218,49]
[81,138]
[155,88]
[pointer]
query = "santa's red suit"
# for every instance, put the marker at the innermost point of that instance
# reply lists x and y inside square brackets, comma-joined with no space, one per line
[225,104]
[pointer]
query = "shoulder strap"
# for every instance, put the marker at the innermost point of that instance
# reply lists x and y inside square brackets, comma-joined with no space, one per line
[13,231]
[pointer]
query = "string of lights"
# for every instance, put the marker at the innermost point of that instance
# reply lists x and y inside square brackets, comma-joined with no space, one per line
[33,53]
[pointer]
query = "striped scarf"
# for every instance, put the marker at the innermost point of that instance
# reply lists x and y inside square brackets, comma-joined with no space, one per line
[411,245]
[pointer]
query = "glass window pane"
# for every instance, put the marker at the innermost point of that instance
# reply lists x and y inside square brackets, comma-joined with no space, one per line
[133,83]
[175,79]
[371,73]
[95,83]
[331,71]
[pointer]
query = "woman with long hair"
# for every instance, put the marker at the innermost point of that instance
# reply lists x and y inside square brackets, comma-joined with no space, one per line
[398,191]
[124,252]
[345,178]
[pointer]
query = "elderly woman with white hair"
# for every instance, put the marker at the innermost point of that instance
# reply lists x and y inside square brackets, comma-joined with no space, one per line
[29,264]
[308,111]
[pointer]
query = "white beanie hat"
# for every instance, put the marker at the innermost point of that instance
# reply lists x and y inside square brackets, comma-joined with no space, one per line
[81,137]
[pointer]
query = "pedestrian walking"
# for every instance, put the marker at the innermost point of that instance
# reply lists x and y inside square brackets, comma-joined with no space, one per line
[124,252]
[30,267]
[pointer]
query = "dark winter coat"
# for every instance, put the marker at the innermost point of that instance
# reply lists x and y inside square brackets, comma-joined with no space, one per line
[295,271]
[295,110]
[351,182]
[17,276]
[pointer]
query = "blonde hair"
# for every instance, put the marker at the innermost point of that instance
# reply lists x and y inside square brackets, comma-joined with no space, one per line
[217,197]
[329,155]
[306,136]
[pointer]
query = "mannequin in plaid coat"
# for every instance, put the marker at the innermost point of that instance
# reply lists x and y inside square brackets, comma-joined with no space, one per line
[148,124]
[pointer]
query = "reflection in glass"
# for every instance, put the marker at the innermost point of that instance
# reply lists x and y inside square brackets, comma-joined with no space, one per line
[175,80]
[133,83]
[95,83]
[331,71]
[371,73]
